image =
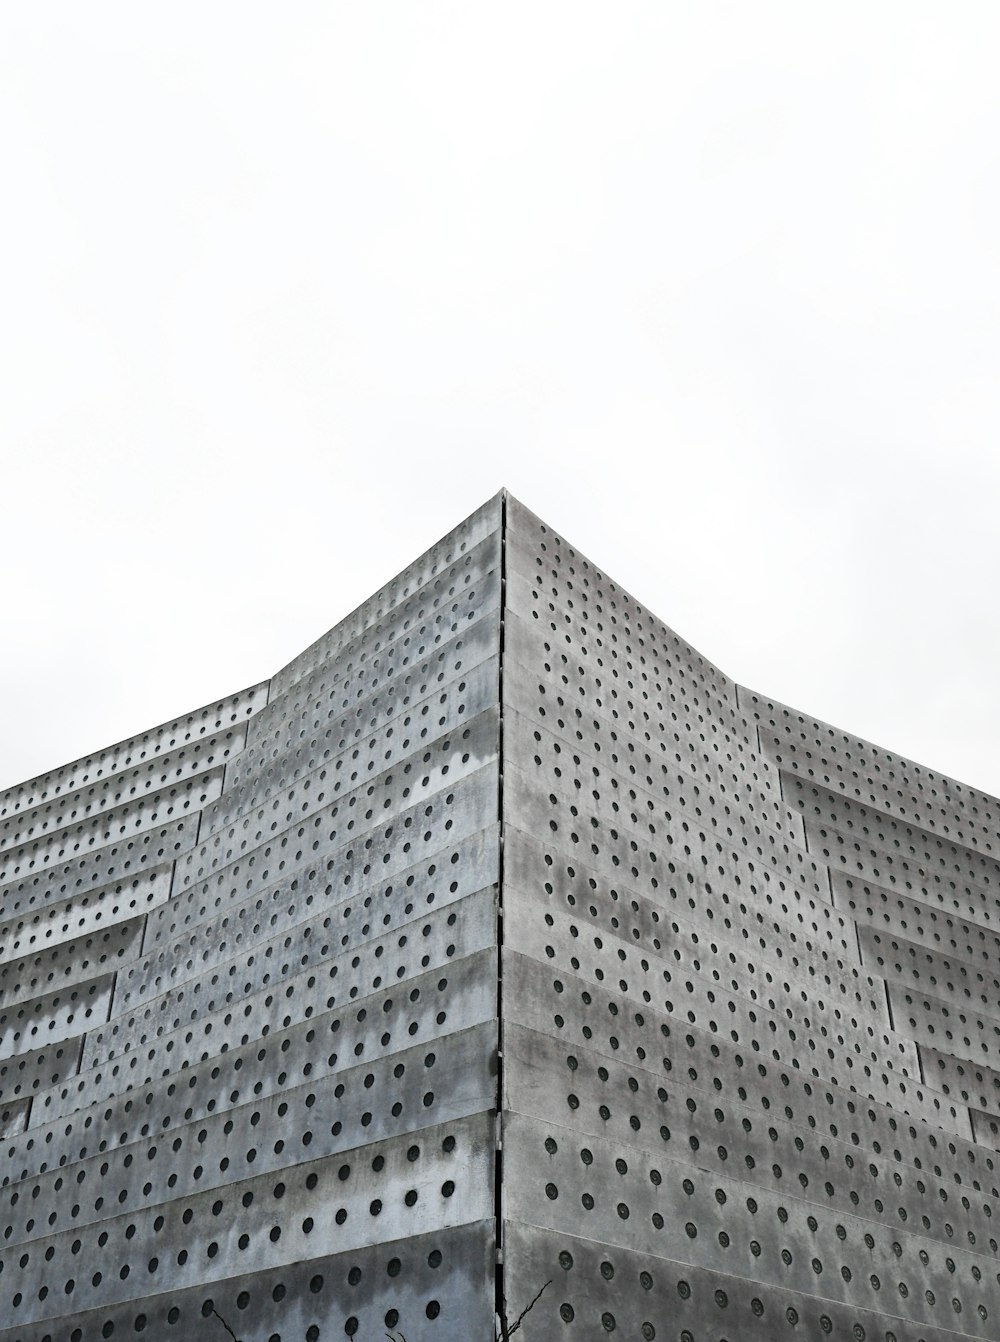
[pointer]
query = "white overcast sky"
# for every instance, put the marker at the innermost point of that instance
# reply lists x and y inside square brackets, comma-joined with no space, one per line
[287,290]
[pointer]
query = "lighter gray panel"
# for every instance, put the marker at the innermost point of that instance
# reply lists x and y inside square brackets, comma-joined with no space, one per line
[740,1106]
[499,907]
[288,1073]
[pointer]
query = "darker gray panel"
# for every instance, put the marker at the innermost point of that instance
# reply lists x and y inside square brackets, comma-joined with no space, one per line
[703,1081]
[294,1072]
[715,1121]
[421,1285]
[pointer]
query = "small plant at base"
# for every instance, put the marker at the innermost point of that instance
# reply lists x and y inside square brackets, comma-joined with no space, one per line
[225,1324]
[506,1330]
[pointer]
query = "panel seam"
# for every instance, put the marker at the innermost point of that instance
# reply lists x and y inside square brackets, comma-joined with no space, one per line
[499,1291]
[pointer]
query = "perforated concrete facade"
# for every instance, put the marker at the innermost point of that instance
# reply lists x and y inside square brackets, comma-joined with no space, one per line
[499,940]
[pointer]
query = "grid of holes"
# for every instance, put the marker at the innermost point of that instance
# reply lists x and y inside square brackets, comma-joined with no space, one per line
[761,1126]
[711,982]
[599,1290]
[471,692]
[350,867]
[54,1016]
[632,763]
[130,818]
[169,1155]
[67,809]
[904,962]
[355,1294]
[851,821]
[188,1240]
[123,1104]
[69,962]
[62,919]
[316,908]
[888,782]
[362,793]
[205,722]
[113,864]
[916,920]
[392,599]
[329,712]
[672,1209]
[943,1002]
[973,1084]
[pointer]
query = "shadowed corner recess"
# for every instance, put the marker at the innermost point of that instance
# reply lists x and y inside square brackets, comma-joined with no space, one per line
[499,944]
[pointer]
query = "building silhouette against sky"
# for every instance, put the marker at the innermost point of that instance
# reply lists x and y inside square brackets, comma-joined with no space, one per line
[499,942]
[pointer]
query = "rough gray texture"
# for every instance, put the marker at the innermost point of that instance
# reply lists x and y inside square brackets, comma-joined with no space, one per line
[499,940]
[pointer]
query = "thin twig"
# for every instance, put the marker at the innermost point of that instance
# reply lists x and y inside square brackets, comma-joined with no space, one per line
[508,1332]
[225,1324]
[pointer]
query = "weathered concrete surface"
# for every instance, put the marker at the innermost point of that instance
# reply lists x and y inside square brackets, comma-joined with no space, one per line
[499,940]
[248,996]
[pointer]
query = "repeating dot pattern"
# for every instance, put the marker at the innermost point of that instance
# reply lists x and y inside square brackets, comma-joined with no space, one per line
[750,1024]
[500,941]
[248,996]
[922,886]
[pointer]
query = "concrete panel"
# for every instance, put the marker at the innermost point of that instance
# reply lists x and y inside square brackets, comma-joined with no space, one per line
[715,1123]
[281,1102]
[133,781]
[71,962]
[44,924]
[500,944]
[204,724]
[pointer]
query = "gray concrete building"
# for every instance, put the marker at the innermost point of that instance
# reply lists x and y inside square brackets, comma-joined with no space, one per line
[499,944]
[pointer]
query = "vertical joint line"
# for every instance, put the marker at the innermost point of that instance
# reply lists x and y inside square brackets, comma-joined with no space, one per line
[498,1278]
[112,995]
[920,1064]
[78,1065]
[142,934]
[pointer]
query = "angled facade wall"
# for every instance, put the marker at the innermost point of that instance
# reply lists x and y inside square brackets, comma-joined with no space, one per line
[498,943]
[750,998]
[249,969]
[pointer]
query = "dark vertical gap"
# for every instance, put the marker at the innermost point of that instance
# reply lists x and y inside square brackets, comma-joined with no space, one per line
[921,1074]
[142,935]
[111,995]
[75,1067]
[169,896]
[892,1019]
[499,1291]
